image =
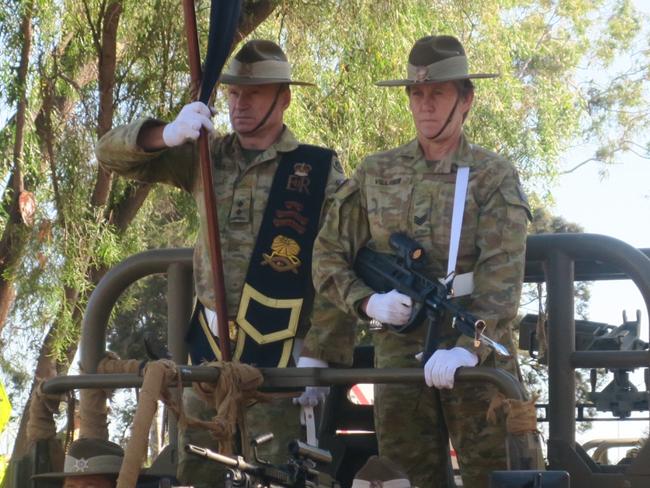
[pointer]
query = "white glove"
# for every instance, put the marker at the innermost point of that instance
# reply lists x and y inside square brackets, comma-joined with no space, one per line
[389,308]
[441,367]
[313,395]
[188,123]
[213,321]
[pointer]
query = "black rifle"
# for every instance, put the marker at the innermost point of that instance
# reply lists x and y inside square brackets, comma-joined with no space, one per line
[385,272]
[299,472]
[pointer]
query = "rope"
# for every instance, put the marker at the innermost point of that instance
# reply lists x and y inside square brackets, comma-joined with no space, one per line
[93,411]
[42,408]
[158,375]
[236,389]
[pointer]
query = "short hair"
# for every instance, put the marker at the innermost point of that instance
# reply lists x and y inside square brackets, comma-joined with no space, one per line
[463,87]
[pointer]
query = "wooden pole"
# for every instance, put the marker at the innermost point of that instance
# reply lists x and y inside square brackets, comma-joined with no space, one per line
[214,241]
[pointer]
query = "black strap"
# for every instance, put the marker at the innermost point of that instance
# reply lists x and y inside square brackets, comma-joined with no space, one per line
[268,113]
[451,114]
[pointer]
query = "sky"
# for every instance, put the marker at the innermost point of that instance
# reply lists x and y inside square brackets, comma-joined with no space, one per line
[617,205]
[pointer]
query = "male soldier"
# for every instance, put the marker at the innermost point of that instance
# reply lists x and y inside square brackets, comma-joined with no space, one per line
[90,463]
[411,189]
[270,192]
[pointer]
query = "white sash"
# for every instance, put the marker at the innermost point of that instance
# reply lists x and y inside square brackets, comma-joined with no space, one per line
[462,284]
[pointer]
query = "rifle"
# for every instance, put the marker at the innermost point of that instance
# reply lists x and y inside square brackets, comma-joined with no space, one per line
[384,272]
[299,472]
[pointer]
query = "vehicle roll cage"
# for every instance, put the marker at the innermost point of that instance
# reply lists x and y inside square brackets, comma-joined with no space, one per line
[557,259]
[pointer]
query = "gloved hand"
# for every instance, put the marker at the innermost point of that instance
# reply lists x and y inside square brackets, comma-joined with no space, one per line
[440,368]
[313,395]
[188,123]
[389,308]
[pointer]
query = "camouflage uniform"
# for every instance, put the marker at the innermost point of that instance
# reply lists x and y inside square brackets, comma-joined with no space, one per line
[399,190]
[241,189]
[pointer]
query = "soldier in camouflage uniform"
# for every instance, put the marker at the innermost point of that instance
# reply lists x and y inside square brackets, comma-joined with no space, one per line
[244,163]
[411,189]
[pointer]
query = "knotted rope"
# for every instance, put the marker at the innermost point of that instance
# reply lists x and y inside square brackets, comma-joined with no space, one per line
[158,376]
[42,408]
[93,411]
[236,389]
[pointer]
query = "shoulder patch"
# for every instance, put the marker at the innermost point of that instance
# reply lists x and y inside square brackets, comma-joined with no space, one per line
[515,195]
[336,164]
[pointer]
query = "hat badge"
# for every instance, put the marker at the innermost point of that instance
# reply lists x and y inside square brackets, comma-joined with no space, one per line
[80,465]
[376,484]
[246,69]
[421,73]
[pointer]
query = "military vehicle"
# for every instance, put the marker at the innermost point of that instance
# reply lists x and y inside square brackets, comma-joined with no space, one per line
[558,260]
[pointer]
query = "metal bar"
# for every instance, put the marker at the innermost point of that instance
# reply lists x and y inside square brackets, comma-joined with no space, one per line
[632,262]
[610,359]
[585,270]
[179,311]
[297,378]
[561,338]
[108,290]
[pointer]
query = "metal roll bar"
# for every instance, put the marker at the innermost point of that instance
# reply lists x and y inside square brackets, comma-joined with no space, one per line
[294,378]
[560,256]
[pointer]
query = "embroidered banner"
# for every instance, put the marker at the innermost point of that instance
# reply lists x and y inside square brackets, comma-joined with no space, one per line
[279,273]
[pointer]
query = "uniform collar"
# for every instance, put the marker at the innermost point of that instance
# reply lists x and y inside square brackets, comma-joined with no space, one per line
[286,142]
[461,156]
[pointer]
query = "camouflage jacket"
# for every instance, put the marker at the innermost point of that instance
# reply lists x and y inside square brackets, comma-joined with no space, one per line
[241,190]
[398,190]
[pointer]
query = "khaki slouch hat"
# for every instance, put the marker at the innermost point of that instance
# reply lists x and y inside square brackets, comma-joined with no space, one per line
[91,457]
[435,59]
[380,472]
[259,62]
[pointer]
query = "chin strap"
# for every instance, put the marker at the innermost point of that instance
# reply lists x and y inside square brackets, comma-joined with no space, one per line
[451,114]
[268,113]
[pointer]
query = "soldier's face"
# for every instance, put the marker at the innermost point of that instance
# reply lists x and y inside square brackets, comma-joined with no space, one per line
[431,105]
[247,106]
[88,482]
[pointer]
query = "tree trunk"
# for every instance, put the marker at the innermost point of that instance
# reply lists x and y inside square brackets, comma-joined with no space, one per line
[106,68]
[127,205]
[16,231]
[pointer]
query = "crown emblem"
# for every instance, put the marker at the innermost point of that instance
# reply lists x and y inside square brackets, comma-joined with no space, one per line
[301,169]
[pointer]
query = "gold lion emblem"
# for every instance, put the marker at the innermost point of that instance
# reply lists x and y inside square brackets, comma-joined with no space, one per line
[284,255]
